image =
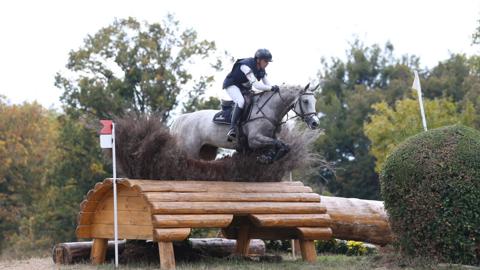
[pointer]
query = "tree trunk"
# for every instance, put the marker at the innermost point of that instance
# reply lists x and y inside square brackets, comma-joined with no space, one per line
[73,252]
[361,220]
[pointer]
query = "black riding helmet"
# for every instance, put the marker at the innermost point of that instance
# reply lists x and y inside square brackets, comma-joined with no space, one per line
[263,54]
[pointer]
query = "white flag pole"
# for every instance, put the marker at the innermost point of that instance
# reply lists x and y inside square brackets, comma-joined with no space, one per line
[115,216]
[416,85]
[292,242]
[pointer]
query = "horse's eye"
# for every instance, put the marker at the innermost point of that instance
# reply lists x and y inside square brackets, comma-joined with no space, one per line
[305,101]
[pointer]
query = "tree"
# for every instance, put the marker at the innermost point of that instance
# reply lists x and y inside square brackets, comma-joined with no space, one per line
[28,137]
[199,103]
[448,78]
[391,125]
[127,67]
[134,67]
[349,88]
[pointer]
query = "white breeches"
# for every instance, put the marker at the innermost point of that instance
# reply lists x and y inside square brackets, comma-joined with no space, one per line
[234,92]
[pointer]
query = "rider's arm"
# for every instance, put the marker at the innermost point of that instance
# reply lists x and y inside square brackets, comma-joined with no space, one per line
[266,81]
[259,85]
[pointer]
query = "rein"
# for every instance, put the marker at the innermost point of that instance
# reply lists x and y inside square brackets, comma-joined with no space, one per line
[275,123]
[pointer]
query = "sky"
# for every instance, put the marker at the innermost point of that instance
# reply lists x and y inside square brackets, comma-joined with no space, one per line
[36,36]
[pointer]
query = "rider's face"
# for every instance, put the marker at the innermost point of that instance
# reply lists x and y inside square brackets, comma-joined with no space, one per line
[263,63]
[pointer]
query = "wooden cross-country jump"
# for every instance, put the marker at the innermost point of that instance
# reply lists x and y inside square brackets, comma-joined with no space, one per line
[166,211]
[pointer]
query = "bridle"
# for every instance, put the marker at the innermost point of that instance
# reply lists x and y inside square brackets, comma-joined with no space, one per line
[302,113]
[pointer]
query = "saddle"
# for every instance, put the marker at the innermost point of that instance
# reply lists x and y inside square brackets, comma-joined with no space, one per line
[224,117]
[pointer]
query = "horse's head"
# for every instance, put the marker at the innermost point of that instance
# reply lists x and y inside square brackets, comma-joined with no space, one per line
[305,107]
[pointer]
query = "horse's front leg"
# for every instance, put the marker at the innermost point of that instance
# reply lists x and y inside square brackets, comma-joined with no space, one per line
[277,148]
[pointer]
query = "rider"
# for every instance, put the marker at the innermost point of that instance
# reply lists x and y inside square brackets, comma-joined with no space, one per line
[246,73]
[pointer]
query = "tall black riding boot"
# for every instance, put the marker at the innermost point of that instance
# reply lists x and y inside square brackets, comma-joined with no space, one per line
[237,112]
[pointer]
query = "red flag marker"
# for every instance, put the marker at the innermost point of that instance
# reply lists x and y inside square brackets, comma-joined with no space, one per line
[106,139]
[107,126]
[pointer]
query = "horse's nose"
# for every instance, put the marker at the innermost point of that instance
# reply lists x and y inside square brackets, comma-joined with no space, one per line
[314,125]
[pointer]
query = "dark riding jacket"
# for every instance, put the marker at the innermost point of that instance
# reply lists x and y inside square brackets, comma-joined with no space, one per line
[238,78]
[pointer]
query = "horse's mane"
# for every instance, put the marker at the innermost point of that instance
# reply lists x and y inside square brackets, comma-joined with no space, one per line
[147,150]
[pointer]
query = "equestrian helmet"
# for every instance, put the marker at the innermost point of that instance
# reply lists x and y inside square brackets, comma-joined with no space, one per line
[263,54]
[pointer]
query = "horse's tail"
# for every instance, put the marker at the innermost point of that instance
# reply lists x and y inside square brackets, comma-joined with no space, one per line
[176,125]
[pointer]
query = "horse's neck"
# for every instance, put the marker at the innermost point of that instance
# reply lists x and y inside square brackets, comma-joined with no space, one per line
[279,104]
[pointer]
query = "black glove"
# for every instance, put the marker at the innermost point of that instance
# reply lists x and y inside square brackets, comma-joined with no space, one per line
[275,88]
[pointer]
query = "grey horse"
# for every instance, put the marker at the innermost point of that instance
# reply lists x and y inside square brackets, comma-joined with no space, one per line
[200,137]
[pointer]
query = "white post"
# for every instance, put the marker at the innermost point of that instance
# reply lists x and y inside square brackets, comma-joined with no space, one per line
[416,85]
[292,241]
[115,216]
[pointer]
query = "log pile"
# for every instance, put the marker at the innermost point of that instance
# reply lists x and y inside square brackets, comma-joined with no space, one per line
[167,211]
[170,209]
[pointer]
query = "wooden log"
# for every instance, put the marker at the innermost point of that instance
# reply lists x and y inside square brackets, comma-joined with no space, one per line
[360,220]
[221,247]
[315,233]
[309,253]
[171,234]
[230,197]
[99,251]
[167,258]
[73,252]
[236,208]
[291,220]
[224,187]
[191,221]
[142,182]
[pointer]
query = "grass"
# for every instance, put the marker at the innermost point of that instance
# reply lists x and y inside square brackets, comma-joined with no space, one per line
[324,262]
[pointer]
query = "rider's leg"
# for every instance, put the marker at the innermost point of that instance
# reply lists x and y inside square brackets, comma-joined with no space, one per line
[237,112]
[237,97]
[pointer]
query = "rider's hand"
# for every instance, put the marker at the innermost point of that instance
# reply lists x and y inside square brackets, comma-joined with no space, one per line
[275,88]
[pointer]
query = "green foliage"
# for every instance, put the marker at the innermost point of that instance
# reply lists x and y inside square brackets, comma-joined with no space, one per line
[125,67]
[134,67]
[199,103]
[349,88]
[389,126]
[349,248]
[448,78]
[28,137]
[431,188]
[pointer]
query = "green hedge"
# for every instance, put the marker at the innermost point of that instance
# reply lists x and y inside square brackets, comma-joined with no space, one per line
[431,188]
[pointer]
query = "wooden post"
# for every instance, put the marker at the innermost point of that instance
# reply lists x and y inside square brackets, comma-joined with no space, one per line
[99,250]
[167,257]
[297,249]
[309,253]
[243,241]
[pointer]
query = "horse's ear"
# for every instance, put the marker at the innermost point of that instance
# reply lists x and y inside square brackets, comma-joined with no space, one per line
[315,88]
[306,87]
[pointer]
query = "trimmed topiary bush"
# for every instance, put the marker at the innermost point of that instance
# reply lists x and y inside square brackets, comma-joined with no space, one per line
[431,188]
